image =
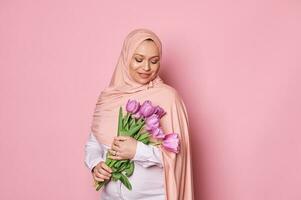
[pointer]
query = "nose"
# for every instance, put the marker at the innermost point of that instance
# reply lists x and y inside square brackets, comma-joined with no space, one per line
[146,67]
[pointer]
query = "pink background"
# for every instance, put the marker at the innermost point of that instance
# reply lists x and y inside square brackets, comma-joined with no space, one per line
[236,64]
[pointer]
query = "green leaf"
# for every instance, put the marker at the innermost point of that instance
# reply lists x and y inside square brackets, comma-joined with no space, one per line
[116,175]
[123,166]
[108,161]
[120,125]
[136,136]
[145,141]
[99,185]
[135,129]
[125,181]
[130,169]
[119,163]
[112,163]
[127,117]
[123,132]
[132,121]
[140,121]
[128,126]
[143,136]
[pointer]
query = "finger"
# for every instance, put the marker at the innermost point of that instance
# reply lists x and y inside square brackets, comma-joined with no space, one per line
[113,142]
[97,172]
[117,143]
[112,151]
[115,148]
[104,177]
[107,168]
[121,138]
[98,179]
[116,157]
[104,172]
[101,175]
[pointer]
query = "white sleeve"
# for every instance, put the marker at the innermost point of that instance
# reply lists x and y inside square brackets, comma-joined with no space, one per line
[147,155]
[93,152]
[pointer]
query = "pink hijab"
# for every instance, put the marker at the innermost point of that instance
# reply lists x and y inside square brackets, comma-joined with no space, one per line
[178,180]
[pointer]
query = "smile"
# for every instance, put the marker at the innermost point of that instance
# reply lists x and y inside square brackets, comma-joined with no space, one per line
[143,75]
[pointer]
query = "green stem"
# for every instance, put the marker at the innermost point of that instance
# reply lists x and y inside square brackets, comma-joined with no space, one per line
[155,143]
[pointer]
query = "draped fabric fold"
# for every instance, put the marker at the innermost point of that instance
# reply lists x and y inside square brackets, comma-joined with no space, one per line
[178,180]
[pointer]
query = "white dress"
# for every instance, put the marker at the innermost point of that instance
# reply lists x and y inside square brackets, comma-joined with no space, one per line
[146,181]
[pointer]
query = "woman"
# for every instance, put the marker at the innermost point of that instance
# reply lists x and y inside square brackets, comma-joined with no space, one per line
[159,174]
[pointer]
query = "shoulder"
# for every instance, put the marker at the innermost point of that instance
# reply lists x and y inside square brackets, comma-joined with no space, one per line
[169,92]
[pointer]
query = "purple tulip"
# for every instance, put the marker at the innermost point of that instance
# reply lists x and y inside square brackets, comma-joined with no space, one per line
[158,133]
[159,111]
[132,106]
[171,142]
[147,109]
[152,122]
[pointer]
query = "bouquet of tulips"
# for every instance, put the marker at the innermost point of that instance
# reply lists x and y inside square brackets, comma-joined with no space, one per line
[141,122]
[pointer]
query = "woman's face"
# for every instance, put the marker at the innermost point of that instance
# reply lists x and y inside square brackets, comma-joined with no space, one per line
[145,62]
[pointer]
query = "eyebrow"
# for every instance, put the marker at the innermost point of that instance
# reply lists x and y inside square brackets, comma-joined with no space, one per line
[143,55]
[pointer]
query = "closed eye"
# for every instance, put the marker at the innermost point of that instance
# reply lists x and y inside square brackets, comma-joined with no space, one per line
[138,60]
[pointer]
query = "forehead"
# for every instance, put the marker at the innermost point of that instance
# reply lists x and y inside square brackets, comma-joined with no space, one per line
[147,49]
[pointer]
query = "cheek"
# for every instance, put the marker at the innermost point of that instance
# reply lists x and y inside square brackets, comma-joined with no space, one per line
[155,68]
[133,71]
[134,65]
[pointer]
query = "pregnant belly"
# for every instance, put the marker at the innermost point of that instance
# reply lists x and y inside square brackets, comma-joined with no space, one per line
[146,183]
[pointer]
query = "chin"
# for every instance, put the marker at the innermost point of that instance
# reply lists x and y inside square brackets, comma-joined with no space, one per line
[144,81]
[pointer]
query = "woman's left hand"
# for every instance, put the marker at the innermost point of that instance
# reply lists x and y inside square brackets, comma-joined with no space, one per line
[124,147]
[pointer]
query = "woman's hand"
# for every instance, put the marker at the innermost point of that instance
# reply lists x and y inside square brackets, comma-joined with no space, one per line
[102,171]
[123,147]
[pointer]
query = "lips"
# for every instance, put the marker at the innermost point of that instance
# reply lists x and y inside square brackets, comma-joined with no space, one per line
[144,75]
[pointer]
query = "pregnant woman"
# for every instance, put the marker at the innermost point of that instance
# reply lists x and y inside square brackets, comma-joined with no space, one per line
[159,174]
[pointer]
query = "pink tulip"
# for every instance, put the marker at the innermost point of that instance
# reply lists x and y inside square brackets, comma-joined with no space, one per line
[159,111]
[147,109]
[152,122]
[158,133]
[132,106]
[171,142]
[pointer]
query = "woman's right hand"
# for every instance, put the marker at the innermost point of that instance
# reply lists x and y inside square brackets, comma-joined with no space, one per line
[102,171]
